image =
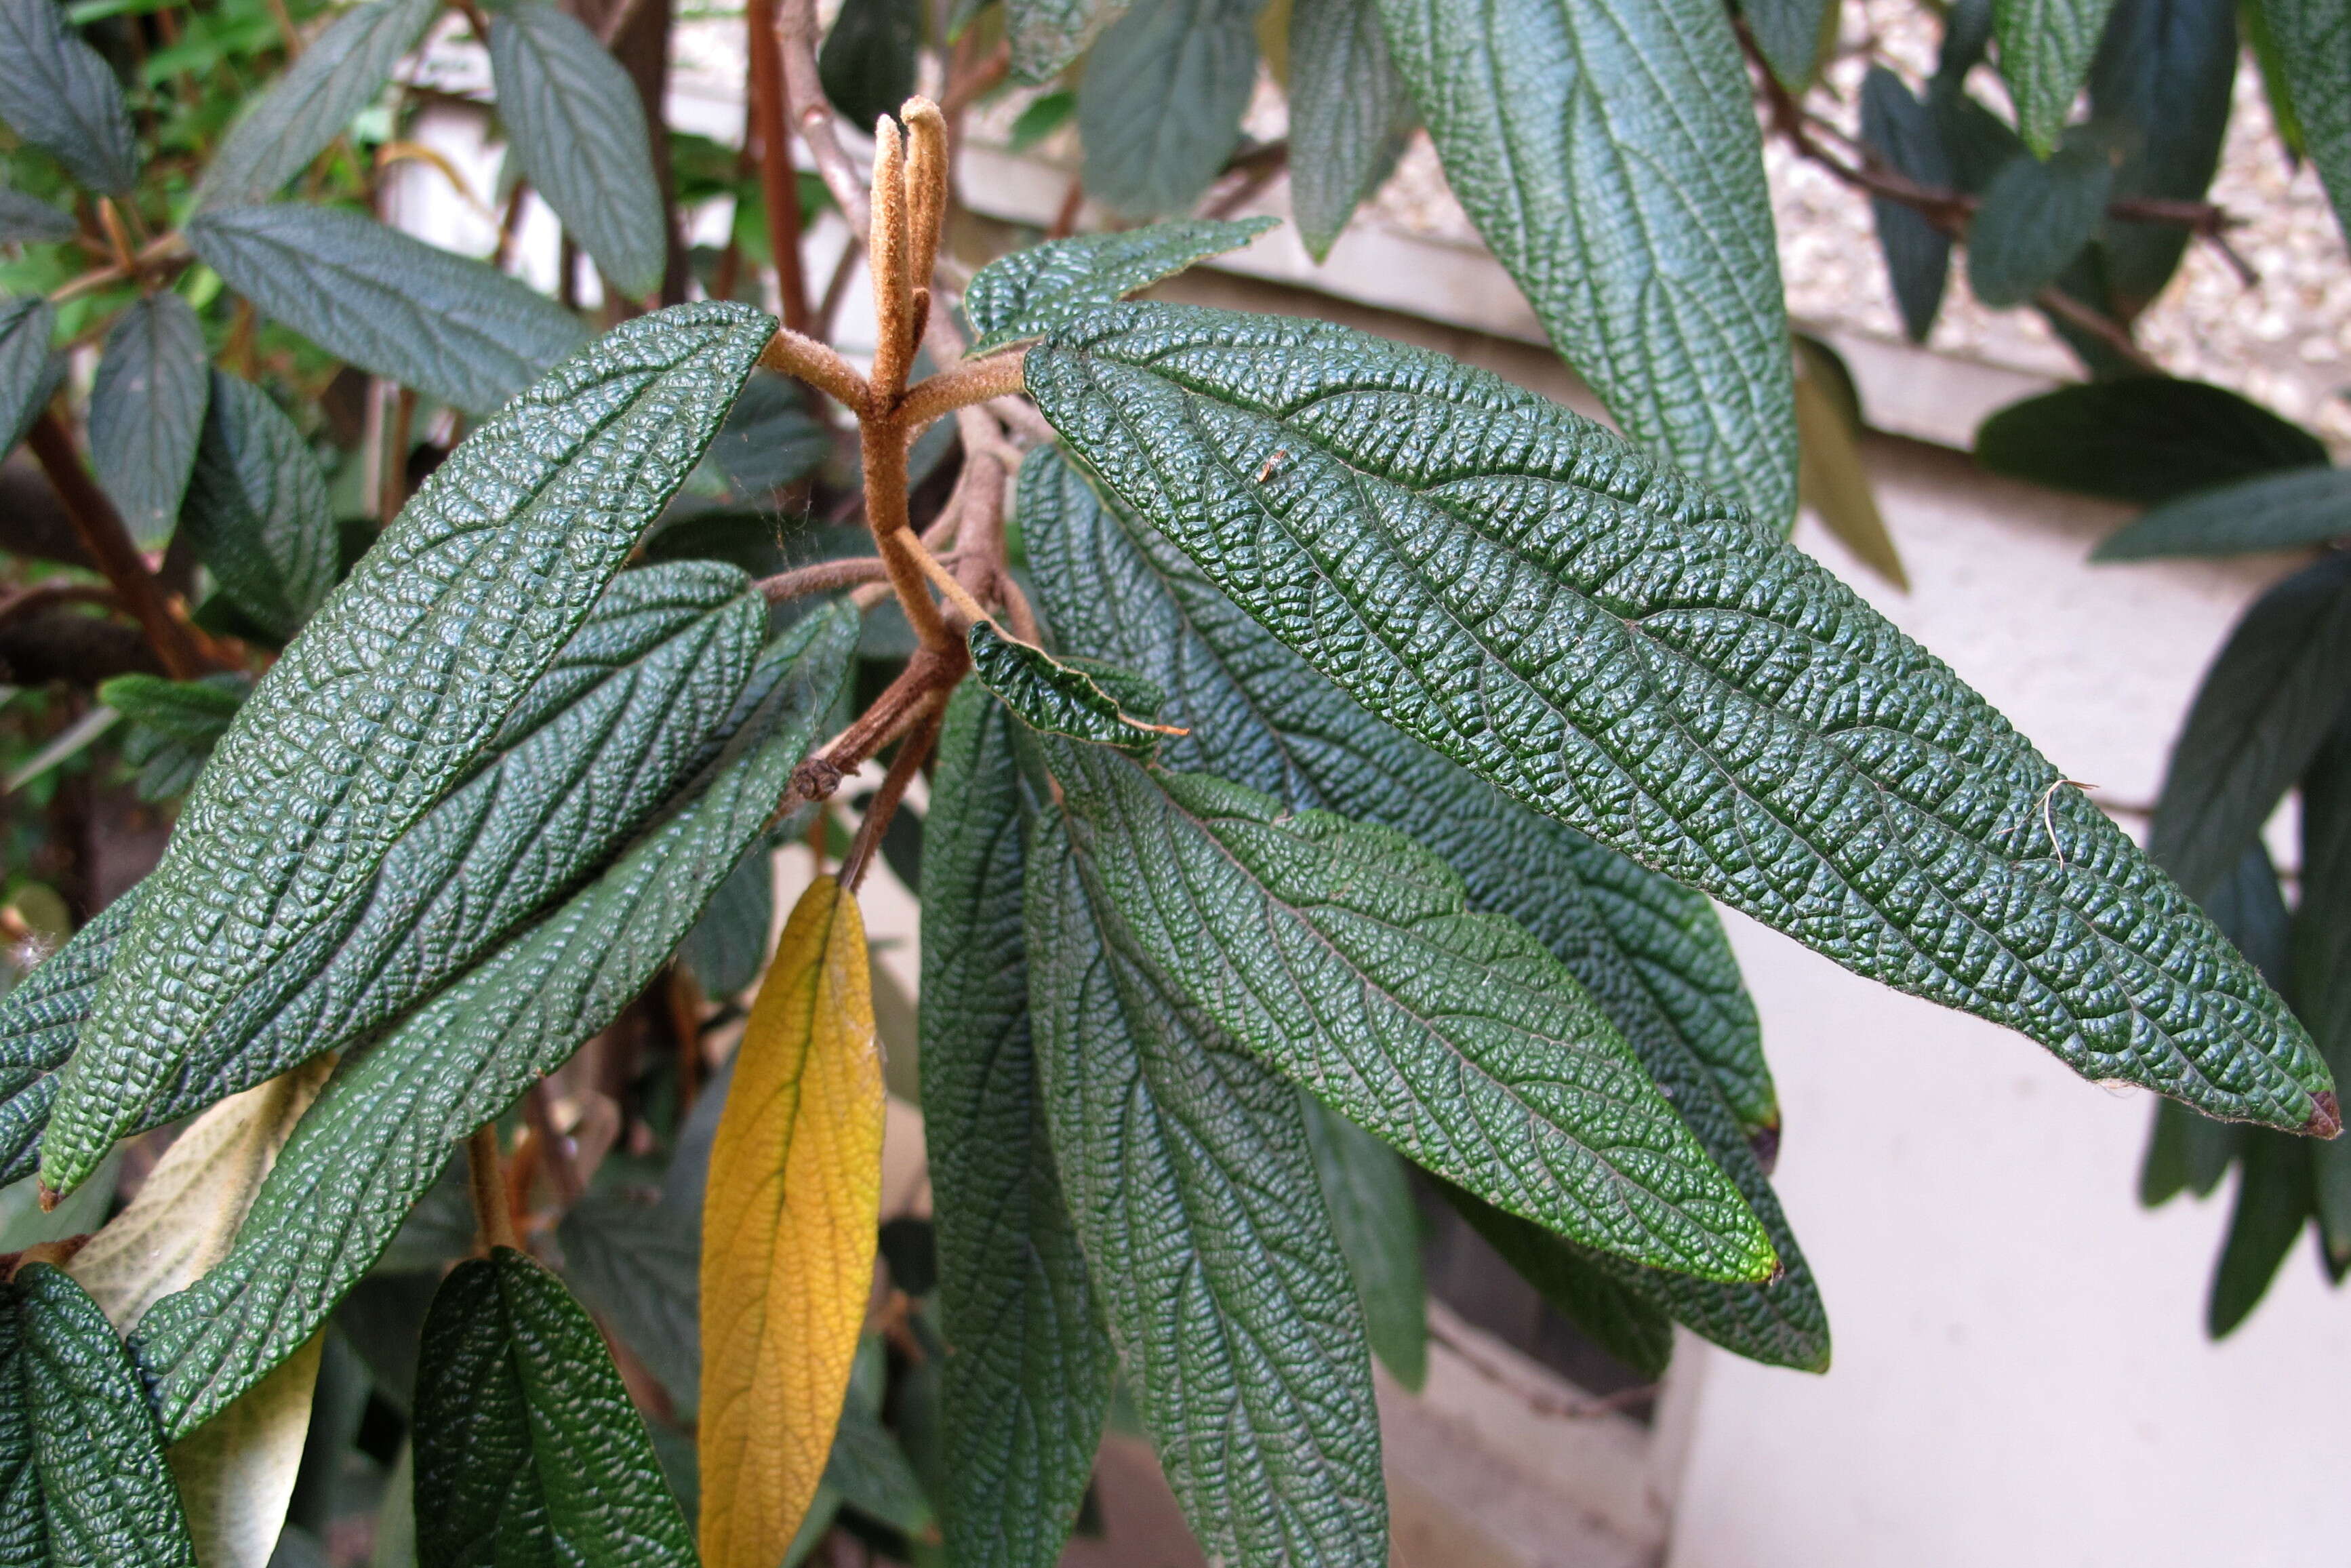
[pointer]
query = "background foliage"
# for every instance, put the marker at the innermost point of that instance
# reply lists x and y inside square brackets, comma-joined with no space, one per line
[508,848]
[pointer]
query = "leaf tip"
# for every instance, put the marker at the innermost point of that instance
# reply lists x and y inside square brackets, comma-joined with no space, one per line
[2325,1117]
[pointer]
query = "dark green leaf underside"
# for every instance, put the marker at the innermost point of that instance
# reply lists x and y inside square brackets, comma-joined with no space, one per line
[579,131]
[339,73]
[2293,510]
[1346,957]
[78,1422]
[451,328]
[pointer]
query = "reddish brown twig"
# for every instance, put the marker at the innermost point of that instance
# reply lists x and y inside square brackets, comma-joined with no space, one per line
[824,577]
[43,595]
[917,745]
[108,542]
[797,36]
[770,107]
[492,1209]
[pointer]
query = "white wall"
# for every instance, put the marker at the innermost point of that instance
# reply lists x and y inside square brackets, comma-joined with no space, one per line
[2021,1373]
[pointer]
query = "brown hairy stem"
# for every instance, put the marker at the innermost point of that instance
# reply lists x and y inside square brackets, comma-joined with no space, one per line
[973,380]
[820,365]
[108,542]
[493,1217]
[889,259]
[824,577]
[900,704]
[884,451]
[920,738]
[926,188]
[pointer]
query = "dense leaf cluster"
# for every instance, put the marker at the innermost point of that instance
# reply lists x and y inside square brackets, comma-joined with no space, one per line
[1333,751]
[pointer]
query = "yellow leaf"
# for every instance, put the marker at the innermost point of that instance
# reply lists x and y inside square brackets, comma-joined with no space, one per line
[235,1473]
[188,1210]
[1831,480]
[787,1234]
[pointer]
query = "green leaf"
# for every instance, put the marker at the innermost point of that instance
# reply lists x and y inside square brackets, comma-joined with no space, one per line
[866,1467]
[1609,154]
[769,439]
[728,948]
[389,696]
[1370,1209]
[2146,439]
[867,62]
[381,1129]
[1830,478]
[1604,641]
[1047,35]
[1054,697]
[2165,69]
[1792,35]
[2293,510]
[527,1449]
[2035,218]
[29,220]
[640,1267]
[173,725]
[1221,1282]
[2273,693]
[2045,49]
[454,329]
[40,1018]
[2273,1197]
[1045,114]
[1615,1318]
[1904,134]
[1351,114]
[2311,43]
[1651,953]
[340,74]
[1027,1381]
[147,412]
[580,137]
[60,95]
[1346,957]
[2322,963]
[1159,109]
[635,702]
[2186,1152]
[257,512]
[2261,41]
[1030,292]
[26,378]
[77,1427]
